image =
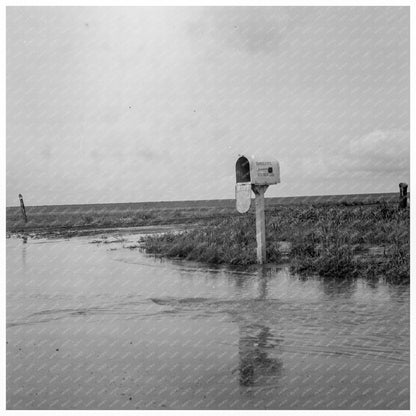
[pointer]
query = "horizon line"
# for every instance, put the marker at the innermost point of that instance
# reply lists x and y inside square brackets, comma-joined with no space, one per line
[201,200]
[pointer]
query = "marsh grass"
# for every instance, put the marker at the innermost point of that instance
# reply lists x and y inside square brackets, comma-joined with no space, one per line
[227,241]
[44,218]
[336,243]
[328,241]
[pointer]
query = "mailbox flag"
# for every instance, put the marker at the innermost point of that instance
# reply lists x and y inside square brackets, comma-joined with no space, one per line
[243,196]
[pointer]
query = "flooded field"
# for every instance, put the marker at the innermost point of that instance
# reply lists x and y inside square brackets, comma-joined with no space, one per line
[94,324]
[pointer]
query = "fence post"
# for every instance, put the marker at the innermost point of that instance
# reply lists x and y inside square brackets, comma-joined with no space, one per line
[403,195]
[22,207]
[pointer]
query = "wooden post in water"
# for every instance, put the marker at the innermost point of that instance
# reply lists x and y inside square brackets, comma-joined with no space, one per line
[259,191]
[22,207]
[403,195]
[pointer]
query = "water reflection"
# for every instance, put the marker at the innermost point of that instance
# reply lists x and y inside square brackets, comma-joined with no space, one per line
[263,279]
[400,293]
[256,341]
[240,281]
[253,348]
[260,322]
[24,252]
[334,288]
[373,284]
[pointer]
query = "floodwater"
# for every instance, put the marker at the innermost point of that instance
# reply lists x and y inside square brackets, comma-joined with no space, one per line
[103,326]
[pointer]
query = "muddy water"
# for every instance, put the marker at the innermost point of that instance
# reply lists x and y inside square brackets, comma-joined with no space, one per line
[103,326]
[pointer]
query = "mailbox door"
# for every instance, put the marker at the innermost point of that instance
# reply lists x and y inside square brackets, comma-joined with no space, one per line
[243,196]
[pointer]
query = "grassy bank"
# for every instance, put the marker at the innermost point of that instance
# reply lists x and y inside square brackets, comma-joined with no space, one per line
[103,217]
[225,241]
[356,235]
[72,217]
[341,242]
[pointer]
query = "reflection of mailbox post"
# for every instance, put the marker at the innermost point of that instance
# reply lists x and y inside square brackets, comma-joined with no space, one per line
[255,174]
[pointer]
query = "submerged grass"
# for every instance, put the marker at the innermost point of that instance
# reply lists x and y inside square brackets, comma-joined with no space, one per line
[328,241]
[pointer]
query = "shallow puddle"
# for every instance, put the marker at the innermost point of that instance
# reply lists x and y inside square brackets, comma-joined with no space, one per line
[103,326]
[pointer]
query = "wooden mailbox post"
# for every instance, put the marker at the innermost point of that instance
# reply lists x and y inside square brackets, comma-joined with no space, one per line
[255,174]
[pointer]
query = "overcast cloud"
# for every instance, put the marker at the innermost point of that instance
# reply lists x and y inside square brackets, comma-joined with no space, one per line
[140,104]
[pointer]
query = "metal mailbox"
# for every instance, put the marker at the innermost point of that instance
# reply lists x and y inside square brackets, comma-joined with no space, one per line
[255,174]
[252,172]
[257,171]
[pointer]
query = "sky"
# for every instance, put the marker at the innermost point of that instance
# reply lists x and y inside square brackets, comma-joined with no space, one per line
[131,104]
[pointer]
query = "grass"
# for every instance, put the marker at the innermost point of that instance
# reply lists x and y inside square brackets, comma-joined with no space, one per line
[328,241]
[328,237]
[51,218]
[337,243]
[58,217]
[225,241]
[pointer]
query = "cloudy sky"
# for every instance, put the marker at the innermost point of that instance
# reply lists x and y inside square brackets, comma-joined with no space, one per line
[126,104]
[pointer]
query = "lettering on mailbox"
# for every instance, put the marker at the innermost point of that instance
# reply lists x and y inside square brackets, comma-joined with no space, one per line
[264,169]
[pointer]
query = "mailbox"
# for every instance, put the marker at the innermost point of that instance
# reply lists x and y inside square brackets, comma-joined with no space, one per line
[257,171]
[252,172]
[255,174]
